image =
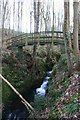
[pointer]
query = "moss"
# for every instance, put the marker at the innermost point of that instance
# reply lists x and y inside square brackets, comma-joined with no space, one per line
[39,102]
[55,70]
[62,64]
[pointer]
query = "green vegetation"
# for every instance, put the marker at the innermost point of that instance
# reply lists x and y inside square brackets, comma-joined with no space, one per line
[39,103]
[61,99]
[62,95]
[17,68]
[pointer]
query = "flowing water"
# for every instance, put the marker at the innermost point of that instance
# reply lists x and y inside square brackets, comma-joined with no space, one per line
[21,113]
[44,87]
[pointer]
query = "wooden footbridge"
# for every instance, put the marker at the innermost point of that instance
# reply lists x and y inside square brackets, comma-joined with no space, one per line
[41,38]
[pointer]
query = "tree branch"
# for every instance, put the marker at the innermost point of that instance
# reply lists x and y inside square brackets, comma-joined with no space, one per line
[27,105]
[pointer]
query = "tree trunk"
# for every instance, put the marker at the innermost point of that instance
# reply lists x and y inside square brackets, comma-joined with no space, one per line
[53,27]
[67,35]
[75,32]
[36,28]
[3,19]
[18,17]
[70,44]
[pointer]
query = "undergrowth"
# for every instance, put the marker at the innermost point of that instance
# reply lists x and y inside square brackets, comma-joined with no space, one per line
[62,95]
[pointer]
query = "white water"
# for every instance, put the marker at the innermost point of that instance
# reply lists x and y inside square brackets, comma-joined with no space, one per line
[43,88]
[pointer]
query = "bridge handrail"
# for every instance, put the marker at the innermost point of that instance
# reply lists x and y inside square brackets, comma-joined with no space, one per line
[42,34]
[34,33]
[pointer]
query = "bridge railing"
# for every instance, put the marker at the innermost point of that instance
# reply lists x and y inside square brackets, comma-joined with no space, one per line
[15,40]
[37,37]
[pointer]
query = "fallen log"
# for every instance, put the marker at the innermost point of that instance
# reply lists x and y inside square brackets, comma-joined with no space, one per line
[27,105]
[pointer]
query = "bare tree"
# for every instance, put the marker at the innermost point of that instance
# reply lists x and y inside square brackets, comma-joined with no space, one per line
[4,16]
[13,14]
[38,15]
[18,16]
[53,26]
[21,14]
[9,22]
[36,25]
[67,35]
[31,21]
[46,17]
[70,44]
[35,29]
[75,31]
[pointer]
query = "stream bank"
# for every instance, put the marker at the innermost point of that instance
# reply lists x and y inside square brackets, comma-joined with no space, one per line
[22,78]
[62,99]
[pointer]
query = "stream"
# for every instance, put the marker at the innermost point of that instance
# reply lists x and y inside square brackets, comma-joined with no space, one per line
[21,113]
[43,89]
